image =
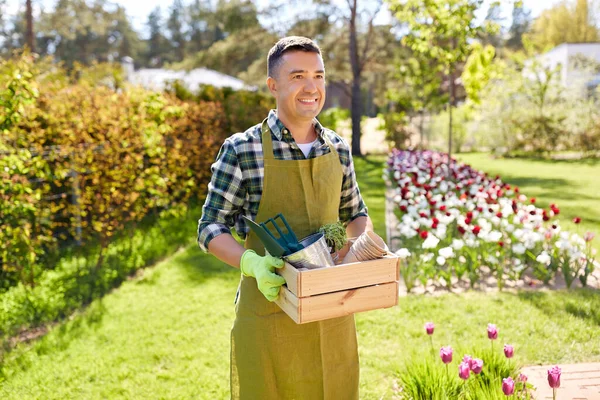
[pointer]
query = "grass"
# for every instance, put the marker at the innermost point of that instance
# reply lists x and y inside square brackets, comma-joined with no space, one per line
[572,184]
[166,334]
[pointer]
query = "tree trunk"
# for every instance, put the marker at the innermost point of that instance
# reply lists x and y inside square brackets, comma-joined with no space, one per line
[30,39]
[356,109]
[450,117]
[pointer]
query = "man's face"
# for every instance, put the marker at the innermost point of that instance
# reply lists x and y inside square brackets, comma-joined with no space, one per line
[299,85]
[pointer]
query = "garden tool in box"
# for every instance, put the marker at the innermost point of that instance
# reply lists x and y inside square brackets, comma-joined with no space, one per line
[287,240]
[272,246]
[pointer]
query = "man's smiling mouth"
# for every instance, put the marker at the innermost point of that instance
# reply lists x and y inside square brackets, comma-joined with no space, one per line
[308,101]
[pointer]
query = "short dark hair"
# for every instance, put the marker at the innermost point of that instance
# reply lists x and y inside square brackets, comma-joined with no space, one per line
[287,44]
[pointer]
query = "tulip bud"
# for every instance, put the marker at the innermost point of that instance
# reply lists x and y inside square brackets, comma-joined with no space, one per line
[509,350]
[554,377]
[476,366]
[508,386]
[492,332]
[464,371]
[446,354]
[429,327]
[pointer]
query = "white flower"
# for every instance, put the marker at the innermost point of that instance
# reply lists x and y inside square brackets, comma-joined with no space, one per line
[457,244]
[519,248]
[397,175]
[403,253]
[462,259]
[492,260]
[441,260]
[431,242]
[543,258]
[510,228]
[446,252]
[427,257]
[494,236]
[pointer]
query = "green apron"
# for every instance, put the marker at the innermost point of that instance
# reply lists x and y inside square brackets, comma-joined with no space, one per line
[273,358]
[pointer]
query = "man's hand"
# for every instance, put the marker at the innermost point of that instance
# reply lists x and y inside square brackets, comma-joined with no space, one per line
[262,268]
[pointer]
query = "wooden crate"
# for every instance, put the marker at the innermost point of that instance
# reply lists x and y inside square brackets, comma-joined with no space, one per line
[317,294]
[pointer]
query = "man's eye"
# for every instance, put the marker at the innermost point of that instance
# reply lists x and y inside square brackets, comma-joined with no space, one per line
[320,76]
[297,76]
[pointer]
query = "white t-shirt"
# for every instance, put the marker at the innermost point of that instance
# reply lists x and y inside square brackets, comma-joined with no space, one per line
[305,147]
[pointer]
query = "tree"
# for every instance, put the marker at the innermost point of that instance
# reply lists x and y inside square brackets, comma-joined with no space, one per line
[156,43]
[493,21]
[29,37]
[176,29]
[358,60]
[521,22]
[567,22]
[441,30]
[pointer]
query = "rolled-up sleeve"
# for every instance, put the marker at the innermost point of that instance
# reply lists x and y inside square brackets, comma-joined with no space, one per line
[352,205]
[225,198]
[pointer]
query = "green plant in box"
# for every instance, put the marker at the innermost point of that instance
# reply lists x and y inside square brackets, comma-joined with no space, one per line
[335,235]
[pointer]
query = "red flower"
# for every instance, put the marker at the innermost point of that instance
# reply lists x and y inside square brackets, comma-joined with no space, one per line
[576,220]
[501,244]
[532,200]
[499,215]
[468,221]
[442,208]
[423,214]
[423,234]
[470,215]
[516,189]
[476,229]
[461,230]
[403,208]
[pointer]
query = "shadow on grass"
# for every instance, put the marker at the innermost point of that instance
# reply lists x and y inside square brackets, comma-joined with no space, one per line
[581,303]
[199,267]
[61,338]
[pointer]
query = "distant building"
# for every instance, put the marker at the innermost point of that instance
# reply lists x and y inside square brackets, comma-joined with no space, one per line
[569,57]
[158,78]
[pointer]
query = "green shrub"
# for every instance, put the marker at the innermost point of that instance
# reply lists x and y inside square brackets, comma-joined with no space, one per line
[332,117]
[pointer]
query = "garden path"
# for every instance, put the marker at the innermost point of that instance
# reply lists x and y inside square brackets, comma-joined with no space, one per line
[577,381]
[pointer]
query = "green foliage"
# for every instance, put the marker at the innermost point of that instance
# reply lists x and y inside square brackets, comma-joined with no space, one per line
[335,235]
[242,108]
[332,117]
[426,377]
[479,70]
[567,22]
[463,137]
[397,129]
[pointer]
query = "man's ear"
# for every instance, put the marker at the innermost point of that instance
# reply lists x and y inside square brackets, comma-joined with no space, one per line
[272,85]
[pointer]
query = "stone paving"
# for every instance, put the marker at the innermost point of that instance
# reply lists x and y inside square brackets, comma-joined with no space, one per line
[577,382]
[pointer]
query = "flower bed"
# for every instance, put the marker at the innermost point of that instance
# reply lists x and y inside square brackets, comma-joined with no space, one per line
[459,223]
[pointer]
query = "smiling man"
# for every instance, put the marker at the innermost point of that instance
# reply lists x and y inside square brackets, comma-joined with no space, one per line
[287,164]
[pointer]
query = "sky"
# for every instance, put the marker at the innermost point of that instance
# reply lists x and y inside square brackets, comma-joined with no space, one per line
[138,10]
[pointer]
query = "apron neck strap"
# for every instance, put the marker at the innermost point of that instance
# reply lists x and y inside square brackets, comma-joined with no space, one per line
[267,142]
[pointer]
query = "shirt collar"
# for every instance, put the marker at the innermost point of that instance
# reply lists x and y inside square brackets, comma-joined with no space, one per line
[279,130]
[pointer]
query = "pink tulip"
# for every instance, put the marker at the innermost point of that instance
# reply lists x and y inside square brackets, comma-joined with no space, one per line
[508,386]
[522,378]
[467,359]
[492,332]
[476,366]
[446,354]
[464,370]
[429,327]
[554,377]
[588,236]
[509,351]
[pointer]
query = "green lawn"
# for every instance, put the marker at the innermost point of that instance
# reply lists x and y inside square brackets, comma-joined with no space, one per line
[574,185]
[166,335]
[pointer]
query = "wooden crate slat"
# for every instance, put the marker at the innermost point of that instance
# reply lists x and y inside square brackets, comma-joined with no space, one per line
[347,276]
[291,276]
[338,304]
[289,304]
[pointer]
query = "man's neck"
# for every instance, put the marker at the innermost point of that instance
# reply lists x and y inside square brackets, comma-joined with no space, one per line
[302,131]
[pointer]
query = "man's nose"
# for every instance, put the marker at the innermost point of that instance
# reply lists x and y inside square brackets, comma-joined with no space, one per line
[310,86]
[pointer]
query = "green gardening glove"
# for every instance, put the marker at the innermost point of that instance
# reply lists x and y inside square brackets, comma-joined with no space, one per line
[262,268]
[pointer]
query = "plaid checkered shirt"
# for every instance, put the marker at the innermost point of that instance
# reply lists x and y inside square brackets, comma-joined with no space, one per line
[236,184]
